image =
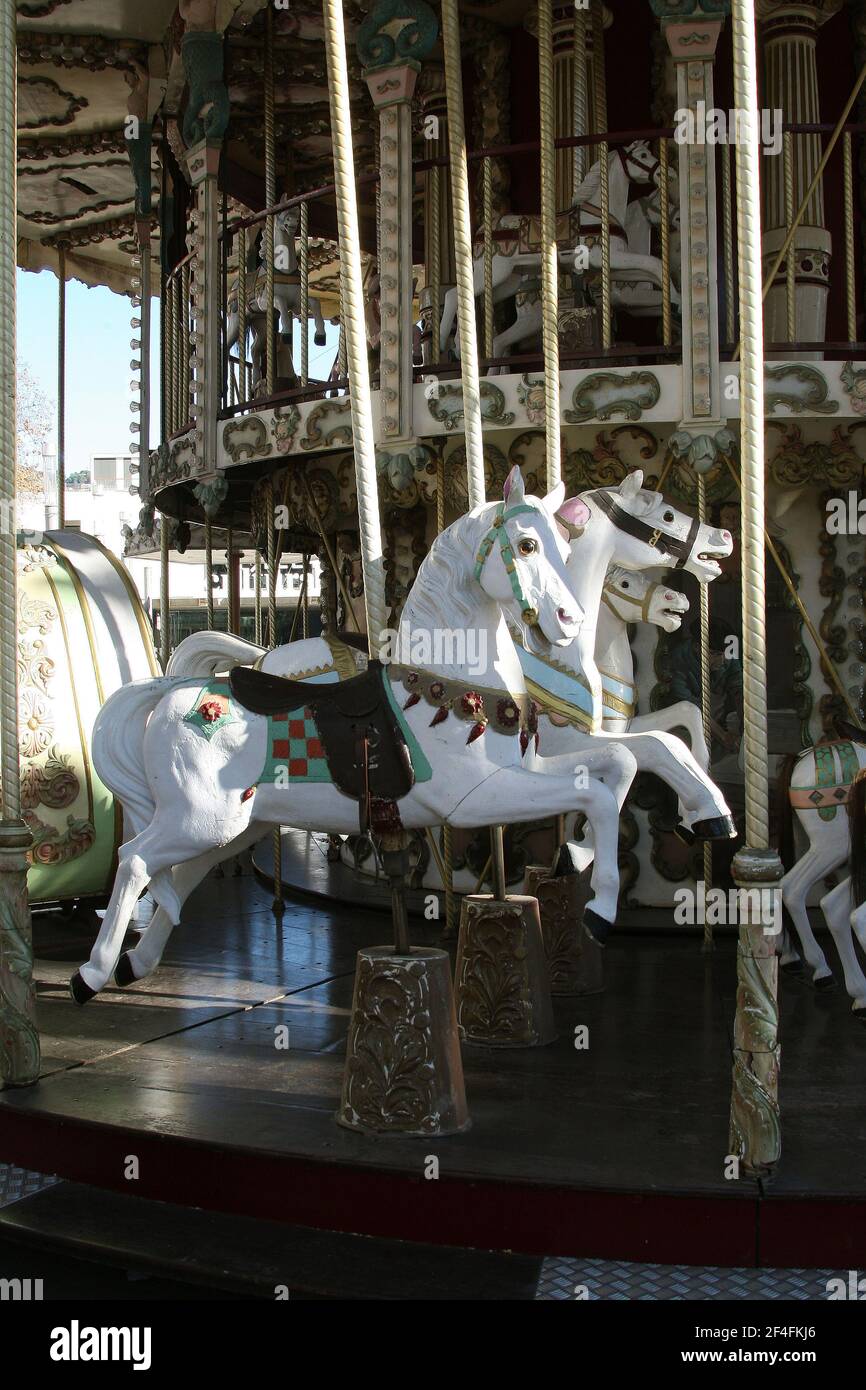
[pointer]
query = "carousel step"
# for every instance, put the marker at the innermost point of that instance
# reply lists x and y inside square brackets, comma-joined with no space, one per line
[247,1257]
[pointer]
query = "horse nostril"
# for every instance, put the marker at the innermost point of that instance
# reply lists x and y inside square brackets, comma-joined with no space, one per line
[563,616]
[669,597]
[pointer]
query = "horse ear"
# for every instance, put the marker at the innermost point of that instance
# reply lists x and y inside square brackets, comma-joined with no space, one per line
[575,512]
[631,484]
[513,490]
[554,500]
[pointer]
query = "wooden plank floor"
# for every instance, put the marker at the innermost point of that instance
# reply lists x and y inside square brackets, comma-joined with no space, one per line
[189,1055]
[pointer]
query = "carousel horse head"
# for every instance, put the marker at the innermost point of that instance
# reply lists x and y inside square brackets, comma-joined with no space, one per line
[640,163]
[636,598]
[521,561]
[650,531]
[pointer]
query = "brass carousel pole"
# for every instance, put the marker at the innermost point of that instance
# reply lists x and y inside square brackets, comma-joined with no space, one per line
[755,1125]
[273,573]
[424,972]
[705,700]
[549,254]
[19,1039]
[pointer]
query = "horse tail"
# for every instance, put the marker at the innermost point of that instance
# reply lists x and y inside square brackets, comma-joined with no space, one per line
[784,809]
[204,653]
[857,830]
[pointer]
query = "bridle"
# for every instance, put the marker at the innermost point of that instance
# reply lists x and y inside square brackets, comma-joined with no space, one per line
[498,533]
[627,156]
[654,536]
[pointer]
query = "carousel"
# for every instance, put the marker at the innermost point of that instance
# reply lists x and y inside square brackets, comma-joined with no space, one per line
[537,324]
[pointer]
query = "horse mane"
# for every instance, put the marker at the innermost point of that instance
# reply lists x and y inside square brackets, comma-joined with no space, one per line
[857,833]
[441,590]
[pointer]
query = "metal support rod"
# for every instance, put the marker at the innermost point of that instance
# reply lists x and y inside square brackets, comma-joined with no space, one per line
[549,254]
[332,559]
[755,1122]
[850,274]
[497,854]
[604,208]
[304,305]
[273,567]
[581,105]
[270,199]
[665,238]
[257,570]
[790,264]
[61,387]
[243,386]
[487,187]
[728,245]
[706,698]
[435,262]
[231,582]
[164,597]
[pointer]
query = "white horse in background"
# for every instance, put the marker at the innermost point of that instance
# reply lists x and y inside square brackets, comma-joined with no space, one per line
[287,293]
[844,907]
[637,280]
[187,765]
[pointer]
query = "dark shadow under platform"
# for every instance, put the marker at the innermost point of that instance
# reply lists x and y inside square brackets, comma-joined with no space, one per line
[615,1151]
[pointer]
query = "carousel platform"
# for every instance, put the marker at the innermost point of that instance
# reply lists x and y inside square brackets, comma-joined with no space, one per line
[614,1152]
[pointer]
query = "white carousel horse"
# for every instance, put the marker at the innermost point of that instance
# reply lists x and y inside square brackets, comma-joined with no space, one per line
[631,597]
[194,770]
[844,906]
[814,788]
[516,272]
[638,530]
[287,293]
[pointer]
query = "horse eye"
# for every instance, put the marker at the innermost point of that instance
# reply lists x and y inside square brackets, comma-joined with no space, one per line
[625,583]
[527,547]
[668,516]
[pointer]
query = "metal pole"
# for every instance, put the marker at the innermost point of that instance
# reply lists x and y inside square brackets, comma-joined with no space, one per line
[19,1039]
[549,256]
[164,599]
[270,199]
[755,1122]
[705,698]
[61,387]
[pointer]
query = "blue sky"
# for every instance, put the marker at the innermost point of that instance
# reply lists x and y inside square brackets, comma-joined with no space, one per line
[98,355]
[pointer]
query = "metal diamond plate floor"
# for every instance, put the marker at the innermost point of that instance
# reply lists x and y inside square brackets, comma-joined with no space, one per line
[569,1280]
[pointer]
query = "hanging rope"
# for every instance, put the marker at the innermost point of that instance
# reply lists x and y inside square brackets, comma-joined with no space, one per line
[549,256]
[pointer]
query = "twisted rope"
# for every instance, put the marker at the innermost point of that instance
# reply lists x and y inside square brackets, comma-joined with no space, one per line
[580,97]
[304,305]
[463,267]
[850,277]
[61,387]
[705,697]
[164,600]
[208,564]
[751,431]
[354,329]
[790,264]
[435,274]
[242,313]
[487,187]
[549,259]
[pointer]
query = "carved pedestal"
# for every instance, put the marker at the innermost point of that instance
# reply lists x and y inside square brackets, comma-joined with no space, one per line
[502,980]
[19,1039]
[404,1072]
[575,962]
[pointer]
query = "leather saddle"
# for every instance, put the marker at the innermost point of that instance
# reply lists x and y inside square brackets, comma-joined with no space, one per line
[364,746]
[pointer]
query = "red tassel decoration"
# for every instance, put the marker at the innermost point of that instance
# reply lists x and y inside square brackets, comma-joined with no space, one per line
[439,716]
[245,796]
[413,700]
[524,741]
[476,731]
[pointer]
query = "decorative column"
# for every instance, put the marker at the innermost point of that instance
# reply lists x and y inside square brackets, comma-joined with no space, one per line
[755,1127]
[19,1040]
[391,43]
[576,85]
[692,41]
[139,132]
[789,39]
[204,126]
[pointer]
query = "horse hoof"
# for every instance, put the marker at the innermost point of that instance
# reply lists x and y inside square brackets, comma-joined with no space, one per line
[683,833]
[825,984]
[792,967]
[123,971]
[715,828]
[320,339]
[79,989]
[597,928]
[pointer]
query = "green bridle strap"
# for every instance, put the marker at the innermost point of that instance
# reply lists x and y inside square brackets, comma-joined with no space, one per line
[498,532]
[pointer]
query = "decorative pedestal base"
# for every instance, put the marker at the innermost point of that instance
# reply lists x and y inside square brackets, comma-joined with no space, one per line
[502,980]
[575,961]
[404,1072]
[19,1039]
